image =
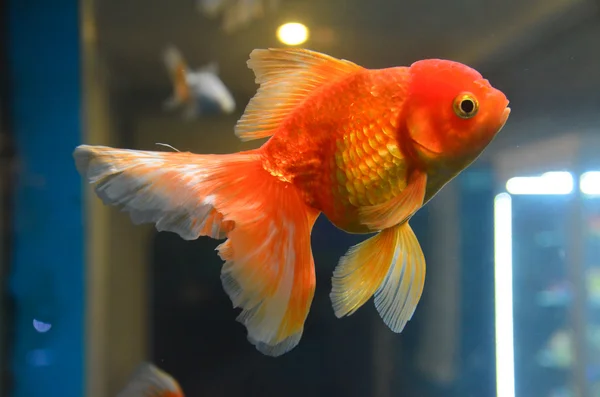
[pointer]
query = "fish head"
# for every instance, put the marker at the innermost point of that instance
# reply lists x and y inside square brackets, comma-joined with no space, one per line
[451,111]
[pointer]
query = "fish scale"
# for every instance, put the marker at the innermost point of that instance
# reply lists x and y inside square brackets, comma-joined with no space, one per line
[369,167]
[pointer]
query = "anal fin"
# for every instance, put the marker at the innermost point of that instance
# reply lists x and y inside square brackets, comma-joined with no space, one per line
[389,265]
[269,269]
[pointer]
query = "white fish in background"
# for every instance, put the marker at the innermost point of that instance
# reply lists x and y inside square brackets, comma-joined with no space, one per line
[149,381]
[198,91]
[236,13]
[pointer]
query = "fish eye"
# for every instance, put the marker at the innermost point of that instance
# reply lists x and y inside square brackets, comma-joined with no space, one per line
[466,105]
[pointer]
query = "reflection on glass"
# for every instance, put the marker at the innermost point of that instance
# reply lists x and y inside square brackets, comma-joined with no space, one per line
[41,326]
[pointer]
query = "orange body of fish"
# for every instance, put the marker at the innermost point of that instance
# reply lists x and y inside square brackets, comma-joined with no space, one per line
[367,148]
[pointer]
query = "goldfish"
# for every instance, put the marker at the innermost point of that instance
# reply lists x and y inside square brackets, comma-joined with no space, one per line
[367,148]
[200,91]
[149,381]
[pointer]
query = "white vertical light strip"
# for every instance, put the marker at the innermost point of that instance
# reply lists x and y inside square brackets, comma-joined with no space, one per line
[505,361]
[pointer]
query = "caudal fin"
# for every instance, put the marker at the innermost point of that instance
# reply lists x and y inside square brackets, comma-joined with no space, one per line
[178,70]
[269,269]
[389,265]
[149,381]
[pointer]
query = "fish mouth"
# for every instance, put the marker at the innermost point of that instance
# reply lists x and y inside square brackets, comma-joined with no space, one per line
[504,118]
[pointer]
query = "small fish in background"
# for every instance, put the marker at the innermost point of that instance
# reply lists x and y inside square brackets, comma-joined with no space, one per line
[236,13]
[149,381]
[211,8]
[367,148]
[199,92]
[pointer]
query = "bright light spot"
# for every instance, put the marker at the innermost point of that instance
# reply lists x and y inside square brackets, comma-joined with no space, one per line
[41,326]
[589,183]
[548,183]
[292,33]
[503,279]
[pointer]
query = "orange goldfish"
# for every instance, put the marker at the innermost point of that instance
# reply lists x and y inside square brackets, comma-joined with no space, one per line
[149,381]
[367,148]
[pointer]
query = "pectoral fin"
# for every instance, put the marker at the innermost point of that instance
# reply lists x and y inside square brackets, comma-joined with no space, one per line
[399,208]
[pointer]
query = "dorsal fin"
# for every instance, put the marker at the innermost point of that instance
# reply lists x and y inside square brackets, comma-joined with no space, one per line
[286,77]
